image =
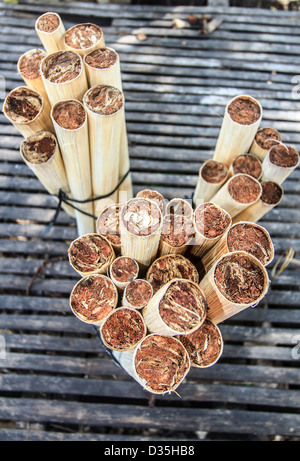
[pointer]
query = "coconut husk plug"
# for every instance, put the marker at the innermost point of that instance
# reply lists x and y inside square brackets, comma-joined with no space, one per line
[137,294]
[123,270]
[279,163]
[265,138]
[84,38]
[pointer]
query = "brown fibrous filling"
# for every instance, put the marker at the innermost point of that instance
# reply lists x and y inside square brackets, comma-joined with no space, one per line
[162,362]
[104,99]
[271,193]
[244,110]
[154,195]
[171,267]
[102,58]
[94,297]
[138,293]
[83,36]
[108,224]
[61,67]
[267,137]
[211,221]
[284,156]
[244,189]
[213,172]
[124,269]
[69,114]
[123,329]
[240,279]
[141,217]
[177,230]
[89,252]
[247,164]
[23,105]
[48,22]
[250,238]
[179,207]
[29,65]
[39,148]
[204,345]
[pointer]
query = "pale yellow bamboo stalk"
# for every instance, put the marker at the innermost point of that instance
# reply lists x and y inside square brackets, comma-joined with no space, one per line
[84,38]
[64,76]
[29,69]
[70,122]
[212,176]
[51,31]
[108,225]
[229,197]
[161,355]
[210,223]
[264,139]
[42,155]
[140,227]
[176,235]
[122,271]
[170,311]
[271,196]
[105,109]
[27,111]
[235,137]
[272,170]
[220,307]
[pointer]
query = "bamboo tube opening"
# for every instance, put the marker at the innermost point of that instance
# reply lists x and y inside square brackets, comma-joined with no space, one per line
[210,223]
[123,329]
[247,164]
[169,267]
[84,38]
[90,254]
[154,196]
[29,65]
[265,138]
[160,363]
[212,176]
[103,66]
[102,58]
[176,234]
[179,207]
[69,114]
[104,99]
[279,163]
[93,298]
[123,270]
[204,346]
[137,294]
[244,110]
[271,193]
[108,225]
[50,30]
[39,148]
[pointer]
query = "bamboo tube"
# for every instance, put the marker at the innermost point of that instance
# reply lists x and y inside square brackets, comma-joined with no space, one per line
[103,67]
[212,176]
[240,123]
[64,76]
[154,196]
[93,298]
[237,194]
[90,254]
[84,38]
[270,197]
[122,271]
[176,235]
[279,163]
[242,236]
[246,164]
[236,281]
[29,69]
[210,223]
[170,267]
[123,329]
[42,155]
[179,207]
[105,108]
[204,346]
[137,294]
[70,122]
[178,308]
[27,111]
[108,225]
[51,31]
[159,364]
[140,225]
[265,138]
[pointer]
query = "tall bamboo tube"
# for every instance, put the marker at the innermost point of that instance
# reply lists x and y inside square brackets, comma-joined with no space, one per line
[237,194]
[159,363]
[140,225]
[236,281]
[279,163]
[42,155]
[70,122]
[176,235]
[29,69]
[265,138]
[105,108]
[84,38]
[270,197]
[64,76]
[51,31]
[212,176]
[108,225]
[240,123]
[27,111]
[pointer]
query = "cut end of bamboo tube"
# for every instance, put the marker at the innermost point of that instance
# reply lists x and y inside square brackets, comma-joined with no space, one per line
[123,270]
[84,38]
[137,293]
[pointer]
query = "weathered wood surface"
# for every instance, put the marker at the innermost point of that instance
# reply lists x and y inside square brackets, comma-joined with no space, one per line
[57,382]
